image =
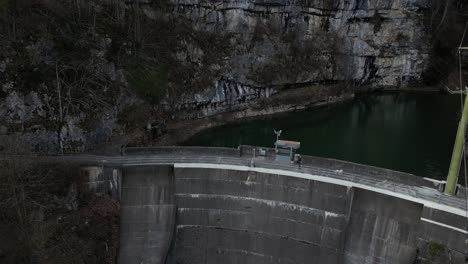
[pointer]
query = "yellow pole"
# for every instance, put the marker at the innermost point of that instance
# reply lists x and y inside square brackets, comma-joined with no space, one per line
[457,154]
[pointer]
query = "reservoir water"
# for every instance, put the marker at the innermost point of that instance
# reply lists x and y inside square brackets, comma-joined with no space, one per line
[412,133]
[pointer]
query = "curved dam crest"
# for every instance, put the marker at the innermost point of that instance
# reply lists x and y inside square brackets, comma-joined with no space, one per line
[216,205]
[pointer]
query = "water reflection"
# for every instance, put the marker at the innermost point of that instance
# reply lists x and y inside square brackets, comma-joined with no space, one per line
[411,133]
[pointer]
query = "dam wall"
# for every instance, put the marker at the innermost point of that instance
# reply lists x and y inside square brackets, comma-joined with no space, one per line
[381,229]
[258,218]
[186,207]
[147,216]
[225,216]
[102,180]
[455,238]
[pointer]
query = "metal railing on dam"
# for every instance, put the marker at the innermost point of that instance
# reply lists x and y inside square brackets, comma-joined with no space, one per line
[348,169]
[219,205]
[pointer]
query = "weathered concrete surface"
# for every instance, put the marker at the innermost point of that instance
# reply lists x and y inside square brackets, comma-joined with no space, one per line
[257,218]
[224,216]
[345,166]
[234,208]
[102,180]
[454,242]
[381,229]
[147,214]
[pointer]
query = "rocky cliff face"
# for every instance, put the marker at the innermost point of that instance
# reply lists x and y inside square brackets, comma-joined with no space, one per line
[43,118]
[381,43]
[278,43]
[67,86]
[225,95]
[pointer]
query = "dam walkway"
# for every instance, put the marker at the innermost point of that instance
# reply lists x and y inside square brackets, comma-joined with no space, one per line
[398,184]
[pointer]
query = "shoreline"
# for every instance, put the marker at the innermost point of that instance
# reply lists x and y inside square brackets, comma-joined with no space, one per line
[179,131]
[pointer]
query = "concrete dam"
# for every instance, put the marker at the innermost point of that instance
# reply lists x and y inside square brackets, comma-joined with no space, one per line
[220,205]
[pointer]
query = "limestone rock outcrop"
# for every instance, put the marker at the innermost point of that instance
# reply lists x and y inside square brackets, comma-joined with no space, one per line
[277,43]
[381,43]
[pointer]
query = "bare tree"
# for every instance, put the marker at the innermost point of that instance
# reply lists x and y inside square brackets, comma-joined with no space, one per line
[440,10]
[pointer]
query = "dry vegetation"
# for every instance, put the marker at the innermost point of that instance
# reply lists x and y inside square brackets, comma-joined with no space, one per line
[85,57]
[297,57]
[46,218]
[446,22]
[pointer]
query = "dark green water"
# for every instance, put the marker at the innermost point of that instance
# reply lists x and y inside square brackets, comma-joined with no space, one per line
[405,132]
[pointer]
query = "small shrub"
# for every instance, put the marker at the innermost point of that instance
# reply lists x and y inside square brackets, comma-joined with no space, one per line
[150,82]
[435,249]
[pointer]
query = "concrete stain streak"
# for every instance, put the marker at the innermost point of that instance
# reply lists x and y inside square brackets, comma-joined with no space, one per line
[444,225]
[273,204]
[245,230]
[211,210]
[409,197]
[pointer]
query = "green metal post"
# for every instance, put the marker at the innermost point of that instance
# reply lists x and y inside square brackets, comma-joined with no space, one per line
[457,154]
